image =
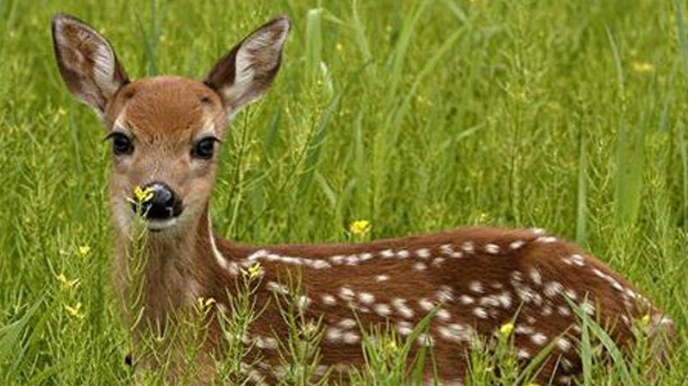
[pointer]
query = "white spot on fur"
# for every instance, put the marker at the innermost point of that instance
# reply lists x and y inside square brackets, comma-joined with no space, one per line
[476,286]
[352,260]
[347,323]
[404,328]
[535,275]
[278,288]
[382,309]
[419,266]
[443,314]
[480,313]
[577,260]
[267,343]
[346,293]
[506,299]
[517,244]
[402,308]
[563,344]
[425,339]
[552,289]
[423,253]
[403,254]
[538,338]
[333,334]
[445,294]
[328,300]
[337,259]
[303,302]
[492,249]
[425,304]
[387,254]
[366,298]
[381,278]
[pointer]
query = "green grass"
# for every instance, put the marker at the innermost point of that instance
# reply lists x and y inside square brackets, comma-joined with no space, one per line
[415,115]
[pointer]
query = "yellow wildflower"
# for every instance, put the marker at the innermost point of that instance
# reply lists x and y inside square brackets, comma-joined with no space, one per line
[75,311]
[642,67]
[84,250]
[253,271]
[66,284]
[142,195]
[506,329]
[360,227]
[644,321]
[339,47]
[205,303]
[61,112]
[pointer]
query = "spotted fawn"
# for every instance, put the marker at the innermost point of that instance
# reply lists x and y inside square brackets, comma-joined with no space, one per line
[165,134]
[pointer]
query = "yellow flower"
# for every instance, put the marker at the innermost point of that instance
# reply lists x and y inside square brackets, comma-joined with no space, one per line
[642,67]
[75,311]
[644,321]
[254,271]
[360,227]
[506,329]
[339,47]
[205,303]
[142,195]
[61,111]
[392,345]
[66,284]
[84,250]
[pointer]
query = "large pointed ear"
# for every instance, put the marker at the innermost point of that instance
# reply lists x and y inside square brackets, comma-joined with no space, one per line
[246,72]
[87,62]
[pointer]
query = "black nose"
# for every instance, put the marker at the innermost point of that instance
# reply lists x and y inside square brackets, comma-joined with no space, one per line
[162,204]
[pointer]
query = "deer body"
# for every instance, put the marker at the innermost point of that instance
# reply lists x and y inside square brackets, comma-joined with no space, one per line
[165,130]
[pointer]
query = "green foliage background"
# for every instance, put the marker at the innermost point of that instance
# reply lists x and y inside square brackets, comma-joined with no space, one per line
[415,115]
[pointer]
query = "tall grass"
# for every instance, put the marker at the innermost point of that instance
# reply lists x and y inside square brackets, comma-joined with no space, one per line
[417,116]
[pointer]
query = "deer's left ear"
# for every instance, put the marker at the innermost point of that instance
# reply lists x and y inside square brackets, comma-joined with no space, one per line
[246,72]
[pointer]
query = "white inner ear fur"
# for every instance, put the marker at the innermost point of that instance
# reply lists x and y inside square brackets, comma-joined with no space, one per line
[260,48]
[104,69]
[102,72]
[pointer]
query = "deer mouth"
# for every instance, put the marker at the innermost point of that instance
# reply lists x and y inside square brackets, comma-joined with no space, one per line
[159,225]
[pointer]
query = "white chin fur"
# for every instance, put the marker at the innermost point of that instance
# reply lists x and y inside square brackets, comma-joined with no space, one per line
[159,225]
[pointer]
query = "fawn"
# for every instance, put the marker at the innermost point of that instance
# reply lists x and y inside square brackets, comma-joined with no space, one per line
[165,134]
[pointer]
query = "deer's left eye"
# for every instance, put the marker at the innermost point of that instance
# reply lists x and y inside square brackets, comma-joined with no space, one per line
[204,148]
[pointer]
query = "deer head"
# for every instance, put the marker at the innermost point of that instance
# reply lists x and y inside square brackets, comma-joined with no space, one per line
[164,130]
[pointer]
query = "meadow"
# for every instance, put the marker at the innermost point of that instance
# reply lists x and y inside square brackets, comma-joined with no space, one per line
[415,115]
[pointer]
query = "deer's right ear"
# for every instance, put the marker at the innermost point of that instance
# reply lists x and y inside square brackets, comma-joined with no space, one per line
[87,62]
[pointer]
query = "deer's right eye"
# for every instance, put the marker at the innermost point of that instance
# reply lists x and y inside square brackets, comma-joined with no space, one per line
[122,145]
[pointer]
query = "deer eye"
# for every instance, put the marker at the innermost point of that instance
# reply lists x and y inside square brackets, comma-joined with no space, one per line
[204,148]
[122,144]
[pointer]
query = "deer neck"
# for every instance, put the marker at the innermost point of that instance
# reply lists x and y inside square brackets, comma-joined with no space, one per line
[173,267]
